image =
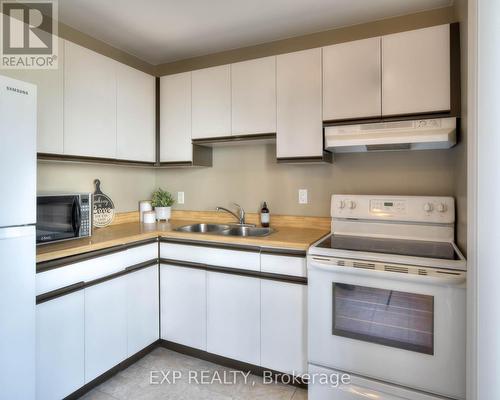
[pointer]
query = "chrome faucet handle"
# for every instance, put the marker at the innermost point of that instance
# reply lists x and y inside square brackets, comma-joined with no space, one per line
[241,213]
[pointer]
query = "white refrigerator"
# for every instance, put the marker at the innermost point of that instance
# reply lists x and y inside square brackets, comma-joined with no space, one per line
[17,238]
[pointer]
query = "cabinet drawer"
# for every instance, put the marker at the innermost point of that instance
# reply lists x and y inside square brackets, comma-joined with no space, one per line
[94,268]
[248,260]
[140,254]
[283,265]
[80,272]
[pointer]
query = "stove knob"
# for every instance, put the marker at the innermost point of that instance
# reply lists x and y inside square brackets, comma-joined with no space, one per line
[351,204]
[441,207]
[428,207]
[340,204]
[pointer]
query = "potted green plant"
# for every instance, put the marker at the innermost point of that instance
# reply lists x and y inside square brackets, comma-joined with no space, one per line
[162,202]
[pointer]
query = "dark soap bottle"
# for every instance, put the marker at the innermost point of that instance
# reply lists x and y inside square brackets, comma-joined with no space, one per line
[265,217]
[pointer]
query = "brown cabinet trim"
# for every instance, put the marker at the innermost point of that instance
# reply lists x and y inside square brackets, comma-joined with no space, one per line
[282,252]
[157,121]
[54,294]
[326,157]
[235,138]
[93,160]
[236,271]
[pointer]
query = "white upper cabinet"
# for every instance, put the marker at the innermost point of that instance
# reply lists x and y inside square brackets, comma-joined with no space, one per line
[299,116]
[135,108]
[175,118]
[253,94]
[89,103]
[211,91]
[416,71]
[50,88]
[352,80]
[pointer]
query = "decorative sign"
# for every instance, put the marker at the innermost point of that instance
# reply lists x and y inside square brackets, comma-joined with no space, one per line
[104,209]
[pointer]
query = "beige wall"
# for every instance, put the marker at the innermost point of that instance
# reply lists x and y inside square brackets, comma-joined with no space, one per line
[249,174]
[125,185]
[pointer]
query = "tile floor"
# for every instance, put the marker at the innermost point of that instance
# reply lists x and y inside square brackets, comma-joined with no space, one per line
[133,383]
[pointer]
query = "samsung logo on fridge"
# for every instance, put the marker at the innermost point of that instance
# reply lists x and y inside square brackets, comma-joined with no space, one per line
[20,91]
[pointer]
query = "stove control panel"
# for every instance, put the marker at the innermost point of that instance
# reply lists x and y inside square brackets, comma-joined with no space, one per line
[396,208]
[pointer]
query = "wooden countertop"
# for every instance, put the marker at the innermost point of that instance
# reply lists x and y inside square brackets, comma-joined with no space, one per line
[285,237]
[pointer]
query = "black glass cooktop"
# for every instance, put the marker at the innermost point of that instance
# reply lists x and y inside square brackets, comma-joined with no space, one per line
[414,248]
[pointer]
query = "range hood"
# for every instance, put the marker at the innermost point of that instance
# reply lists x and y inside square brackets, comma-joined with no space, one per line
[421,134]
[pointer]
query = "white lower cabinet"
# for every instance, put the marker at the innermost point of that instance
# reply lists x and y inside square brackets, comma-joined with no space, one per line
[284,326]
[105,326]
[142,309]
[184,306]
[233,316]
[60,346]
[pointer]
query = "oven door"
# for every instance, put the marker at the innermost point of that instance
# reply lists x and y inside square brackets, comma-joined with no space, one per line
[403,328]
[57,218]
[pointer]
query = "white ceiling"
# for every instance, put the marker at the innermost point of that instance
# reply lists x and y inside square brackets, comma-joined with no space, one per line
[159,31]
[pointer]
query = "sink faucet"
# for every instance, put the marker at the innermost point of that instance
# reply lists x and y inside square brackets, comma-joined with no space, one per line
[240,216]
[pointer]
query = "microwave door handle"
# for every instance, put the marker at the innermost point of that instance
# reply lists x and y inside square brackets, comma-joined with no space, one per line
[77,217]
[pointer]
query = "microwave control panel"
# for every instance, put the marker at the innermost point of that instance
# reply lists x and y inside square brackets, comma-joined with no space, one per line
[85,226]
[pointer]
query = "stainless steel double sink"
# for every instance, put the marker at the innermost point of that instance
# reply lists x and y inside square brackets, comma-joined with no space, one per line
[226,230]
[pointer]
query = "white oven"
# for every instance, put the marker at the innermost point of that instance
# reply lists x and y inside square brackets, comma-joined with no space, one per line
[389,311]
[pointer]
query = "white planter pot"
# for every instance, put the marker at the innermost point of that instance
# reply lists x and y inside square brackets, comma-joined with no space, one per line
[163,213]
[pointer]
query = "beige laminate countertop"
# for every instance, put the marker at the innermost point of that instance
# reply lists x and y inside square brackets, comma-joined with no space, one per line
[115,235]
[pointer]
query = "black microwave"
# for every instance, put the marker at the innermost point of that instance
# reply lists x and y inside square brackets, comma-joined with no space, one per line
[63,217]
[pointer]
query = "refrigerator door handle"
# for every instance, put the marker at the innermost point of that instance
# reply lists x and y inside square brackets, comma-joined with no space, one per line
[16,231]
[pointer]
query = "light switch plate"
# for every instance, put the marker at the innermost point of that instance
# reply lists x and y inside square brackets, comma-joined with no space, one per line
[180,197]
[302,196]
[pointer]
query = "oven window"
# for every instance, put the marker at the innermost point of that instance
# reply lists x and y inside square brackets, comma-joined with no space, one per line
[387,317]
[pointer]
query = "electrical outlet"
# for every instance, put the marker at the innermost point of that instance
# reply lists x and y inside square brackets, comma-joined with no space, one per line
[180,197]
[302,196]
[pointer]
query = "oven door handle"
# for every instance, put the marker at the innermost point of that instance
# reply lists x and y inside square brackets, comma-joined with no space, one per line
[451,279]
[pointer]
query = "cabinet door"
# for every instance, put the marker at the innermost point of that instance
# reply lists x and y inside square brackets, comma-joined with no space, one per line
[175,118]
[211,92]
[60,346]
[416,71]
[142,309]
[253,96]
[184,306]
[233,316]
[135,122]
[351,80]
[299,116]
[50,88]
[105,326]
[284,326]
[89,103]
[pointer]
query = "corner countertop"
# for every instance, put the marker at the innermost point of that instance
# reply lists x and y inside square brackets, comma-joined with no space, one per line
[286,238]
